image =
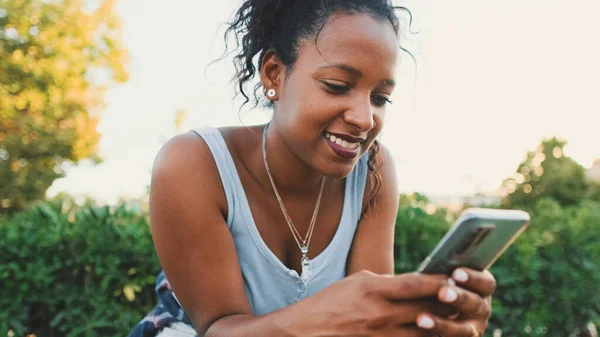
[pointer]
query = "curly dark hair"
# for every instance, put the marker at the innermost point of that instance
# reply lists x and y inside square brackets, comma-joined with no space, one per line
[280,25]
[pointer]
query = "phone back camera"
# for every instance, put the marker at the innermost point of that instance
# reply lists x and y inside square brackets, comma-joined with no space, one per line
[470,242]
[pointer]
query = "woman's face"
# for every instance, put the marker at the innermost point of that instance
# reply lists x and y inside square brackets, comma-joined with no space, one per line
[331,106]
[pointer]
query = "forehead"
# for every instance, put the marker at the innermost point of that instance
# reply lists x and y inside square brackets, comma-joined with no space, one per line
[359,40]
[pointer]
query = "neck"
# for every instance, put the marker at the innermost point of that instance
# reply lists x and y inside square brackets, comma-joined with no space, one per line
[290,173]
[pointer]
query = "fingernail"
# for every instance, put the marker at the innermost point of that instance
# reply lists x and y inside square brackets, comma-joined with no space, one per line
[460,275]
[450,295]
[425,322]
[451,282]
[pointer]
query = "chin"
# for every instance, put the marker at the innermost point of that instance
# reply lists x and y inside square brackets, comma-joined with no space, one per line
[338,170]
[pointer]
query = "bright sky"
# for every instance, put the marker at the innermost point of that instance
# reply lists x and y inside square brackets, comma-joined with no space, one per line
[494,79]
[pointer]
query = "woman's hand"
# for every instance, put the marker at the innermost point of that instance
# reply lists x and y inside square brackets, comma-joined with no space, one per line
[368,304]
[472,297]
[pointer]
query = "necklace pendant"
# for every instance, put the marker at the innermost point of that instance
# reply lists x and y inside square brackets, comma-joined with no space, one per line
[304,250]
[305,269]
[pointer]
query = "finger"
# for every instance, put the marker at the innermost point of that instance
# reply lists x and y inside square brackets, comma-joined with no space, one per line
[481,282]
[412,331]
[407,331]
[406,312]
[468,303]
[445,327]
[408,286]
[440,309]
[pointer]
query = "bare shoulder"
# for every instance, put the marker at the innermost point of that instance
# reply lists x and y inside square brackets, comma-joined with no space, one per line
[185,162]
[181,151]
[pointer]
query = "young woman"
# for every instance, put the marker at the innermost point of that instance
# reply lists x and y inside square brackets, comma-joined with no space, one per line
[287,229]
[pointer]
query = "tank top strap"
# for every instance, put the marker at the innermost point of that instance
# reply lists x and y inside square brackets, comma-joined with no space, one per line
[225,165]
[358,184]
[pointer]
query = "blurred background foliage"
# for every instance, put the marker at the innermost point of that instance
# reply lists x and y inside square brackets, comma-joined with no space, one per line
[89,270]
[69,270]
[547,172]
[56,60]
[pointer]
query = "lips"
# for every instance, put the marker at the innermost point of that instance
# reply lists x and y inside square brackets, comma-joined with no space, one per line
[343,147]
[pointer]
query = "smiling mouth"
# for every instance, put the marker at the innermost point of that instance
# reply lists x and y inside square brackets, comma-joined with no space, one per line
[351,146]
[342,147]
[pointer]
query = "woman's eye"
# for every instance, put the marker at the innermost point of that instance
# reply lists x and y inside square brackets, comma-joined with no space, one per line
[380,100]
[338,89]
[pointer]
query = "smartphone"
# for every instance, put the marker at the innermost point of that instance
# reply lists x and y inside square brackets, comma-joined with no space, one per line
[476,240]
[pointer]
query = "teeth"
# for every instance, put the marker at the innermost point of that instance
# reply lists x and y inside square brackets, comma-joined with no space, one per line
[350,146]
[343,143]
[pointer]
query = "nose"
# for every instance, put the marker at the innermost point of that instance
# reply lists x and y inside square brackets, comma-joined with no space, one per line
[361,115]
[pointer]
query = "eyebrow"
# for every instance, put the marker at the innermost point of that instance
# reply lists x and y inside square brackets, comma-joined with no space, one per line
[344,67]
[353,71]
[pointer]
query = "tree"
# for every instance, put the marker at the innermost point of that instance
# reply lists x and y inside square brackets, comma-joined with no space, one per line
[56,60]
[547,172]
[549,280]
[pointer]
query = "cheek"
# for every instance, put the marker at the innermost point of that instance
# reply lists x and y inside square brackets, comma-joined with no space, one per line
[379,118]
[305,104]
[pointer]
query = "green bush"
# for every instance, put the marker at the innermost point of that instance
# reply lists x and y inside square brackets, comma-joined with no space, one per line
[90,271]
[66,271]
[417,232]
[548,280]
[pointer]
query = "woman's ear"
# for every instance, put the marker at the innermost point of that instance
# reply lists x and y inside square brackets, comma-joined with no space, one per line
[271,74]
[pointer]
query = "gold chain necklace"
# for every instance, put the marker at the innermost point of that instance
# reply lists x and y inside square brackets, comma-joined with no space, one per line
[303,244]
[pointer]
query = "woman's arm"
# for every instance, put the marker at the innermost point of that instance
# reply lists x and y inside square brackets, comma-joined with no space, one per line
[373,246]
[191,237]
